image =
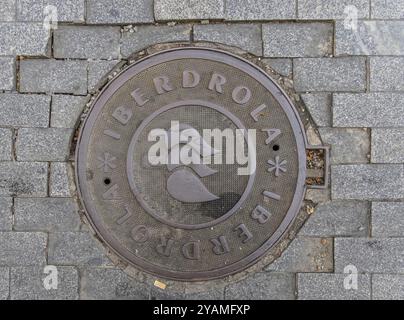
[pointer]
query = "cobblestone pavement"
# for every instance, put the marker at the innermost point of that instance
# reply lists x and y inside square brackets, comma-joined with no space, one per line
[352,83]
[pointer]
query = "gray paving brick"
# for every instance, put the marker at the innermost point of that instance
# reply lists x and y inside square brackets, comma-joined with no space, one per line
[330,74]
[53,76]
[7,73]
[78,42]
[297,39]
[119,11]
[380,37]
[306,255]
[388,145]
[22,248]
[347,145]
[4,283]
[43,144]
[6,219]
[260,9]
[205,294]
[328,286]
[263,286]
[388,287]
[7,10]
[387,9]
[368,110]
[6,142]
[324,9]
[367,181]
[188,10]
[338,218]
[23,179]
[24,110]
[386,74]
[97,70]
[46,214]
[75,248]
[282,66]
[66,110]
[59,180]
[149,35]
[244,36]
[318,195]
[111,284]
[388,219]
[27,283]
[373,255]
[67,11]
[24,39]
[319,107]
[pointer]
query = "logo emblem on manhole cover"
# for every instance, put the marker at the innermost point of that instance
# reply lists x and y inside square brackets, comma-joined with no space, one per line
[191,164]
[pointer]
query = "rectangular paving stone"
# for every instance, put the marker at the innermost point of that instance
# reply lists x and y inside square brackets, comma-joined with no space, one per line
[368,110]
[388,145]
[145,36]
[28,283]
[6,220]
[347,145]
[263,286]
[7,10]
[244,36]
[387,9]
[7,73]
[367,181]
[247,10]
[386,74]
[330,74]
[97,71]
[119,11]
[23,179]
[66,110]
[4,283]
[204,293]
[22,248]
[60,179]
[24,39]
[325,9]
[388,219]
[24,110]
[329,286]
[319,107]
[53,76]
[35,10]
[46,214]
[43,144]
[370,255]
[6,142]
[306,255]
[111,284]
[188,10]
[282,66]
[297,39]
[82,249]
[338,218]
[388,287]
[381,37]
[79,42]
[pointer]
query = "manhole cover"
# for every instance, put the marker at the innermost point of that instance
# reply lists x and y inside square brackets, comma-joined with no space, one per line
[191,220]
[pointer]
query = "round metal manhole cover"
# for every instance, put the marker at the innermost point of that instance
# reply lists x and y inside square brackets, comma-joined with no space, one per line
[146,194]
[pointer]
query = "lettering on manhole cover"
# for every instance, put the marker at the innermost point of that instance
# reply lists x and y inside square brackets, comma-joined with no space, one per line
[191,164]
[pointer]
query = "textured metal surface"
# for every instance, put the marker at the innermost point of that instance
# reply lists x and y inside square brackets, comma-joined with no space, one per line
[139,210]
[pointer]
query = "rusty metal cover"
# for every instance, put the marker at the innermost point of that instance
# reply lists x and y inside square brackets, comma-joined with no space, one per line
[188,221]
